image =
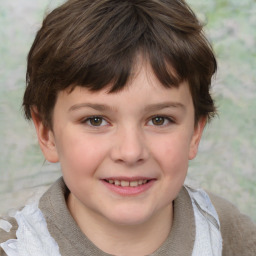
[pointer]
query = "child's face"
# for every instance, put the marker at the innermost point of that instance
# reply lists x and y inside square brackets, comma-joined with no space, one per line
[145,133]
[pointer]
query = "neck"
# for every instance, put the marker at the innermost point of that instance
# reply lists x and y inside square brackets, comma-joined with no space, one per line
[124,240]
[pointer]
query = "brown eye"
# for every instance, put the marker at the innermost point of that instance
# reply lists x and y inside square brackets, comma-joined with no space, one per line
[95,121]
[158,120]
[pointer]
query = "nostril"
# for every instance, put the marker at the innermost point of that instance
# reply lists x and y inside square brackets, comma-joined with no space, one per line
[130,161]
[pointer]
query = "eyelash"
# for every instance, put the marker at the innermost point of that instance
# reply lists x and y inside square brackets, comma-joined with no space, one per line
[102,119]
[165,118]
[89,119]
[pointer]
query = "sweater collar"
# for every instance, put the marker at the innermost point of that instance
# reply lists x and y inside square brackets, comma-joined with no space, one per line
[72,241]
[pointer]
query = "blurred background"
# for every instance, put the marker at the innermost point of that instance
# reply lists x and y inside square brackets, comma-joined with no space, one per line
[226,163]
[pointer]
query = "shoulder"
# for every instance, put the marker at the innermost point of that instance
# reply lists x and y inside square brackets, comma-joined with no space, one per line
[8,228]
[238,230]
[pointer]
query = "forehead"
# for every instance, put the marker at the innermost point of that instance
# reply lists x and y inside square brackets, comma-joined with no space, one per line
[143,93]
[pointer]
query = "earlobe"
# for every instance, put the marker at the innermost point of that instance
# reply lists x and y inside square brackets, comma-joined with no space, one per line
[45,138]
[198,131]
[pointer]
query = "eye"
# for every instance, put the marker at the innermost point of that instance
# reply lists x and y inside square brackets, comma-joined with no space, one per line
[95,121]
[160,121]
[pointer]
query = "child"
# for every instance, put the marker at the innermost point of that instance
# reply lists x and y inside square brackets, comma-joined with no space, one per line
[119,94]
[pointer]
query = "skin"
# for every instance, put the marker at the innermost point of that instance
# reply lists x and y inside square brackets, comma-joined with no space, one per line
[146,131]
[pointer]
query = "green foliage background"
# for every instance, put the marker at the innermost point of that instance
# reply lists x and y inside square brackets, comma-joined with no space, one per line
[226,163]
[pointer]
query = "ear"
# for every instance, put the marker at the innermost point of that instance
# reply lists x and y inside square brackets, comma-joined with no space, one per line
[45,138]
[198,131]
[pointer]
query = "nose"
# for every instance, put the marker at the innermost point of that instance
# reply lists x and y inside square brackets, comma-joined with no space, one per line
[129,147]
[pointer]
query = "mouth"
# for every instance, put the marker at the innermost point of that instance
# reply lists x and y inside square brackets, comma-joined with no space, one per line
[127,183]
[125,186]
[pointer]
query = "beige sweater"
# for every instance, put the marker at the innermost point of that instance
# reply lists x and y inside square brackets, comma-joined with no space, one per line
[238,231]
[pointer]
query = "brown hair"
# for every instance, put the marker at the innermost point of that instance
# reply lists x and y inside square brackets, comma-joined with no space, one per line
[93,43]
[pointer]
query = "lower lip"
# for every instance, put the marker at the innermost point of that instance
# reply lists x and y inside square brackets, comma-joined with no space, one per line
[129,191]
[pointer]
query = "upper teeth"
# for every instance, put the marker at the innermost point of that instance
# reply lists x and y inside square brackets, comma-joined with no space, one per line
[125,183]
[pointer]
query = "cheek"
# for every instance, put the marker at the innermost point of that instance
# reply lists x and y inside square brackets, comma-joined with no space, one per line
[172,154]
[80,155]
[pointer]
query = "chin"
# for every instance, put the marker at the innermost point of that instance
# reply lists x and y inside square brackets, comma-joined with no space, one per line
[129,217]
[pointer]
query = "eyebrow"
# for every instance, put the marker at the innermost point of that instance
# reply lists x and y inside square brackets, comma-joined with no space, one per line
[149,108]
[160,106]
[99,107]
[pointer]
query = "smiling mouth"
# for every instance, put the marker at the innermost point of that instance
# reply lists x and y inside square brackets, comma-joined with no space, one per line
[125,183]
